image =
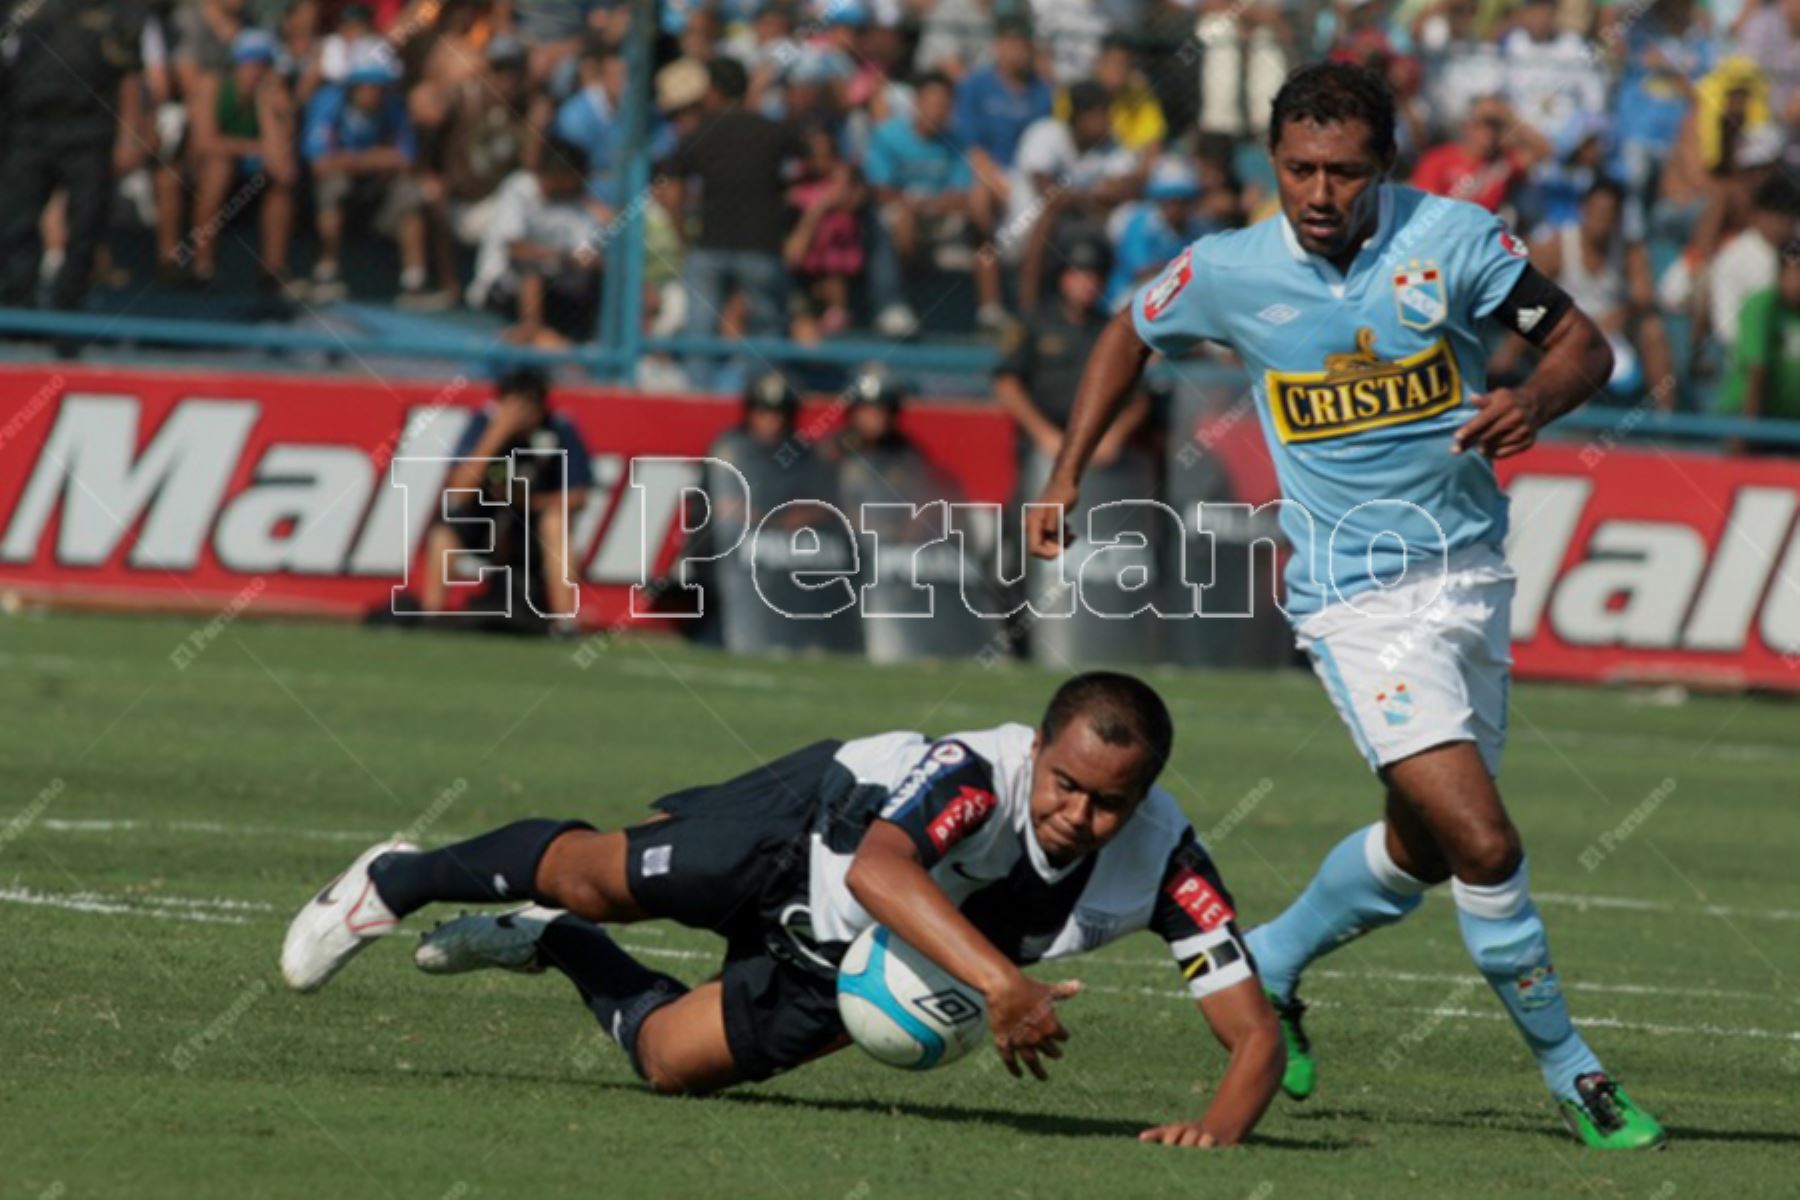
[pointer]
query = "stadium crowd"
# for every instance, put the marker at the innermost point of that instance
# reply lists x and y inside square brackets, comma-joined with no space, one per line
[918,168]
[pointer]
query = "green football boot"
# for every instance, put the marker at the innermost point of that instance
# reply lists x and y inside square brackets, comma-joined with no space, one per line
[1302,1073]
[1606,1119]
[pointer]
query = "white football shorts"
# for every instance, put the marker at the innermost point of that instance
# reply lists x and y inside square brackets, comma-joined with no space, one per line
[1422,663]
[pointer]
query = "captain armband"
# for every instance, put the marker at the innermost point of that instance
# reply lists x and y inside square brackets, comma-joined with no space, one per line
[1212,961]
[1534,306]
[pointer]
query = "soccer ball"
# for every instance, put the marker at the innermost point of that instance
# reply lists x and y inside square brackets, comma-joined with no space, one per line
[904,1009]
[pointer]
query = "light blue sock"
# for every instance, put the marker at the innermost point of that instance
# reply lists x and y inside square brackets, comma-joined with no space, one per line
[1506,938]
[1358,888]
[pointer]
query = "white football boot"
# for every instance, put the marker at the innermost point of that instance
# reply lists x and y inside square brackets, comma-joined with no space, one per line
[337,923]
[478,941]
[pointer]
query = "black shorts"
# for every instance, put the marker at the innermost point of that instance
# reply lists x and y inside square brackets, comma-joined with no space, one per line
[732,858]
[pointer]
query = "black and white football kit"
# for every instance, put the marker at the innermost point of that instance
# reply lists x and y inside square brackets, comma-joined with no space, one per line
[762,860]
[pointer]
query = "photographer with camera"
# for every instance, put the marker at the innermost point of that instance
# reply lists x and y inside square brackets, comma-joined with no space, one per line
[508,502]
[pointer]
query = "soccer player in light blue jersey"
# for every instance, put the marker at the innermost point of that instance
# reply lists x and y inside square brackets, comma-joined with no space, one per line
[1357,310]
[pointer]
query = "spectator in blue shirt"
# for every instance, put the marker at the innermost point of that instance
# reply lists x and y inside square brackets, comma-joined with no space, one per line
[997,101]
[995,104]
[1667,50]
[922,183]
[591,118]
[1150,232]
[360,146]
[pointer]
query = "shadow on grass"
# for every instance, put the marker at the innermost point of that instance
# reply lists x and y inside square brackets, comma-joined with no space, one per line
[1766,1137]
[1499,1121]
[1049,1124]
[1043,1124]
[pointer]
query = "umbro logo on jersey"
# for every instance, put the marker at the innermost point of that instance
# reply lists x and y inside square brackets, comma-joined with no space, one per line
[1528,318]
[656,860]
[1278,314]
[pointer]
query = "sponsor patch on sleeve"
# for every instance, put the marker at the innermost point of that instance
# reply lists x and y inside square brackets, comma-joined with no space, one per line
[961,817]
[1513,244]
[1162,294]
[943,758]
[1198,899]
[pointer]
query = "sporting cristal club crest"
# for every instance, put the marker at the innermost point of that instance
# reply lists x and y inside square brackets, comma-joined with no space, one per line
[1396,704]
[1419,296]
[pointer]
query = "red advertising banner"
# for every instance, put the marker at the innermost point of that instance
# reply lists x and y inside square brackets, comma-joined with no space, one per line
[1641,564]
[180,489]
[184,489]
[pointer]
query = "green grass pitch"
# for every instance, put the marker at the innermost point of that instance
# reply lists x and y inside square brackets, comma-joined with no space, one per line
[161,823]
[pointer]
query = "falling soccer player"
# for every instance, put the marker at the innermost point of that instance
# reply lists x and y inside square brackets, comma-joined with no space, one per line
[985,851]
[1363,344]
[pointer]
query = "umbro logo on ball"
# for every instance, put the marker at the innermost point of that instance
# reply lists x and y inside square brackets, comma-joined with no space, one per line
[950,1007]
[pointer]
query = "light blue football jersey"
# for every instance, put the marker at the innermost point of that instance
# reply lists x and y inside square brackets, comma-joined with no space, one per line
[1360,381]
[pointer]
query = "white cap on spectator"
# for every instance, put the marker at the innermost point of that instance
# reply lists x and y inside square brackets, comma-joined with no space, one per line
[373,62]
[680,84]
[1172,179]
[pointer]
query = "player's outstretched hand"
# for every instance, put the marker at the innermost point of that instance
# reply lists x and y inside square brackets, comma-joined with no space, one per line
[1046,533]
[1182,1133]
[1505,423]
[1023,1018]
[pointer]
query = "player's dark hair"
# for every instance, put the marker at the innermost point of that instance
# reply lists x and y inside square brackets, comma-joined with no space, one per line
[528,382]
[1334,93]
[728,78]
[1122,710]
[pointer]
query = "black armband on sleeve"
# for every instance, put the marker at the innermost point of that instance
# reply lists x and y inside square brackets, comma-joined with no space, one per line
[1534,306]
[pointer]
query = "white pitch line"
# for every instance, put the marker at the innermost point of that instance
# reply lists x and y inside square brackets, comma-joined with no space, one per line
[1614,989]
[129,825]
[209,911]
[1468,1014]
[1447,978]
[1651,1027]
[114,906]
[1582,901]
[368,837]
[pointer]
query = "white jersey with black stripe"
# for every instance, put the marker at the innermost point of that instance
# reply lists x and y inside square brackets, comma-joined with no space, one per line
[965,800]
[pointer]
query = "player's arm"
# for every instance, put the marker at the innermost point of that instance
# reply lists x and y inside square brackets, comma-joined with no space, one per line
[1125,427]
[1577,362]
[1107,382]
[1245,1025]
[509,419]
[891,883]
[947,800]
[1194,914]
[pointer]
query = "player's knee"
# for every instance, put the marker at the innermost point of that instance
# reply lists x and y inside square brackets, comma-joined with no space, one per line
[1490,854]
[666,1078]
[564,880]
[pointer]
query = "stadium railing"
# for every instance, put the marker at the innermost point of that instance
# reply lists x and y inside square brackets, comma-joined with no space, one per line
[968,362]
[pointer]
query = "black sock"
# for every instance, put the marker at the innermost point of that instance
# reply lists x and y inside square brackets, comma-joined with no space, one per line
[490,869]
[621,991]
